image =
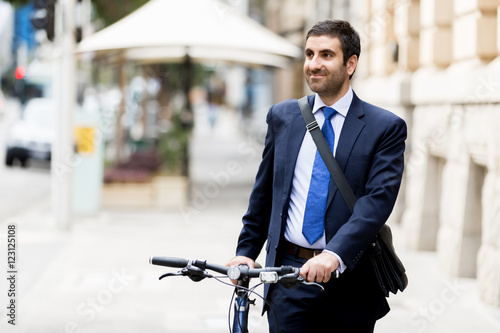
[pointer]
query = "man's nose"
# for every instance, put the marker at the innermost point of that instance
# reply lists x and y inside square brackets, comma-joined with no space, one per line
[315,63]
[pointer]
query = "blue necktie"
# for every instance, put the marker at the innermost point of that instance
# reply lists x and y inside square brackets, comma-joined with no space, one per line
[314,215]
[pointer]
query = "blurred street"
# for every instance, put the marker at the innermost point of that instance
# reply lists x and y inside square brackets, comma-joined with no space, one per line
[31,184]
[124,83]
[96,278]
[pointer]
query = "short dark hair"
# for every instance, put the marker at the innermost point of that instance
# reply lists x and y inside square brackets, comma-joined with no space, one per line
[343,30]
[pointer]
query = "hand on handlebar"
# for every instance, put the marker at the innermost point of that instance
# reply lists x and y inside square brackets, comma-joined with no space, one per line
[240,260]
[319,268]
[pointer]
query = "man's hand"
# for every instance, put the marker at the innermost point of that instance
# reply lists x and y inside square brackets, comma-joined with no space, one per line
[319,268]
[240,260]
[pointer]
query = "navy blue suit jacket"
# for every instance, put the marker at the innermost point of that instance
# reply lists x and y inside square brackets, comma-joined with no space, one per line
[370,153]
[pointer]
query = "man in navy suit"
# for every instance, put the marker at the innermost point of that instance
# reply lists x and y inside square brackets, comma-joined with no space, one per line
[369,143]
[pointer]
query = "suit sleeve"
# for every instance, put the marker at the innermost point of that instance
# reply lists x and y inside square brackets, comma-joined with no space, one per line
[256,220]
[374,206]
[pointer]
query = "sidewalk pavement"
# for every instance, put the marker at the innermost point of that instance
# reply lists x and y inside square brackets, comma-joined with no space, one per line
[96,277]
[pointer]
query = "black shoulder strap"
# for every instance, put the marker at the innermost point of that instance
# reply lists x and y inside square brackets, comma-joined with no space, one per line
[326,154]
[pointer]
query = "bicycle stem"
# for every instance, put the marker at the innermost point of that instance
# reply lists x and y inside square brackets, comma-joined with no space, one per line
[241,305]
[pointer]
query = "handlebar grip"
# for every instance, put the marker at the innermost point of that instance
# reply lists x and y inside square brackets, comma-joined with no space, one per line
[169,261]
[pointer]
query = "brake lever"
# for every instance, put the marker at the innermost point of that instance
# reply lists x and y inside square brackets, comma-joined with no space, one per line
[194,273]
[171,274]
[293,279]
[290,280]
[314,284]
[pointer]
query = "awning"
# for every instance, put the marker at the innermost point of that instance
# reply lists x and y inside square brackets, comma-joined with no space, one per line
[168,30]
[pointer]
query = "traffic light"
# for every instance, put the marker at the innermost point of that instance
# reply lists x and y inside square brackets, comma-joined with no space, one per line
[20,72]
[42,17]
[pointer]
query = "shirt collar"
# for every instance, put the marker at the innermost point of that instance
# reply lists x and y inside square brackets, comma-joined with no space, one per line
[341,106]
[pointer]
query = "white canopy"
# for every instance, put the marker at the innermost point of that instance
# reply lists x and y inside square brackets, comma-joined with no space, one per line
[168,30]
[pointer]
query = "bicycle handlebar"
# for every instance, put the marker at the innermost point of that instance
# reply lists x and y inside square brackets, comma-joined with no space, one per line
[196,270]
[182,263]
[169,261]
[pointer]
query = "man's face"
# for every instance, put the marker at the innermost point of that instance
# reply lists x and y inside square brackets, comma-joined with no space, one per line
[324,66]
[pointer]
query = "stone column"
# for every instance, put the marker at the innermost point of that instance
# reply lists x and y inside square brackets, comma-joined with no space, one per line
[423,173]
[453,202]
[488,259]
[463,200]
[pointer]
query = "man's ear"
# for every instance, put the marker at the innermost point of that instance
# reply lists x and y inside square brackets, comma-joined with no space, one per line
[352,63]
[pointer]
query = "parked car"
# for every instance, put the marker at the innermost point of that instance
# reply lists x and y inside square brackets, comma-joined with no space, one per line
[31,136]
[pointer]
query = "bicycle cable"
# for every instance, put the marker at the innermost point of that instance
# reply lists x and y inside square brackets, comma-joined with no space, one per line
[249,291]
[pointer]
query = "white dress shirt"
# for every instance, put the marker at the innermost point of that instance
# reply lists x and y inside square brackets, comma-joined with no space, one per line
[303,171]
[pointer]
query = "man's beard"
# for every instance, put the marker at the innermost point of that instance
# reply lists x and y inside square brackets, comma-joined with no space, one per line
[331,87]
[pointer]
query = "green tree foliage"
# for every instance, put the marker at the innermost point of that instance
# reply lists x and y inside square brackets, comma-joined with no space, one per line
[111,11]
[18,3]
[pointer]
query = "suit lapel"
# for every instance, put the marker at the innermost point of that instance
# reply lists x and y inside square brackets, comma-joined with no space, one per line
[353,125]
[296,132]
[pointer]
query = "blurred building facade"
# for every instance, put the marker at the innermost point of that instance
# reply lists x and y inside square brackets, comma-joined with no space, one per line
[436,63]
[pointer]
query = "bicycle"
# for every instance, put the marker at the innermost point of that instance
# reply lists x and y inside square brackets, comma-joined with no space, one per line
[196,270]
